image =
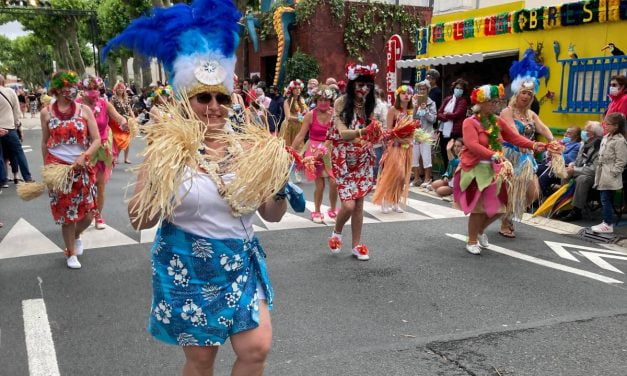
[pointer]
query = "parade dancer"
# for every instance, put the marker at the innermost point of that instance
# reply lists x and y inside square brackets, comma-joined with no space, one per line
[352,158]
[317,123]
[480,184]
[519,116]
[122,104]
[103,159]
[210,281]
[393,180]
[69,137]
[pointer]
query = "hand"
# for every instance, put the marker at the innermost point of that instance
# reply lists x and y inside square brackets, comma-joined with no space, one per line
[570,170]
[80,161]
[540,146]
[445,179]
[450,144]
[3,132]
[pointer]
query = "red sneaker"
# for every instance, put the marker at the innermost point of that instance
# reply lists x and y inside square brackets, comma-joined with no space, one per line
[335,243]
[99,222]
[332,213]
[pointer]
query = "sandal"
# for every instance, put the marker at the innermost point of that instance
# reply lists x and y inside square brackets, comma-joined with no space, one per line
[508,234]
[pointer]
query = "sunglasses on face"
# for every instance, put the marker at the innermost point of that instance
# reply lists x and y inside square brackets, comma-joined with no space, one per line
[206,98]
[613,84]
[360,85]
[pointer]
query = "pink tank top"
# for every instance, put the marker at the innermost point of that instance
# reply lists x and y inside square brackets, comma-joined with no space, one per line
[102,117]
[318,131]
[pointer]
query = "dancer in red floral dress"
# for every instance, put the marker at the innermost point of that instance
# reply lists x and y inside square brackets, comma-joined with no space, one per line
[352,157]
[69,137]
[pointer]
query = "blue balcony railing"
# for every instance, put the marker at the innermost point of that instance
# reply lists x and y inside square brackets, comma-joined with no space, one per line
[585,82]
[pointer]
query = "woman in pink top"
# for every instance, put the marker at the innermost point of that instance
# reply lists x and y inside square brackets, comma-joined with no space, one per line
[317,122]
[103,158]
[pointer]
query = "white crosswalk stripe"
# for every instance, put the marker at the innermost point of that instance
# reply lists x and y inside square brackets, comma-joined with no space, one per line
[23,239]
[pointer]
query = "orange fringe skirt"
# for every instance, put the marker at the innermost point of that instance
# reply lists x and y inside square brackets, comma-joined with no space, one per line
[393,180]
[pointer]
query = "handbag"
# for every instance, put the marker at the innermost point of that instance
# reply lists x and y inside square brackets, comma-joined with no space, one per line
[295,197]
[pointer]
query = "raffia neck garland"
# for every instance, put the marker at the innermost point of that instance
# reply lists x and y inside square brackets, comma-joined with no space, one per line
[489,124]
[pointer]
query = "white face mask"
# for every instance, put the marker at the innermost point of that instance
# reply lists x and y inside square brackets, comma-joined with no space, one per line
[613,90]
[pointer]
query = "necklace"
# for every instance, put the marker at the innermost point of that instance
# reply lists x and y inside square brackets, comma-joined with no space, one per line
[520,116]
[64,115]
[489,124]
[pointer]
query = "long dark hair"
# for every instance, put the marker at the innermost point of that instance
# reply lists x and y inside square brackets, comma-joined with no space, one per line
[348,113]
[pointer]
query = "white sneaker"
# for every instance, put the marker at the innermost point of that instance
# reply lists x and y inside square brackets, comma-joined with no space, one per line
[385,209]
[426,184]
[397,208]
[78,247]
[475,249]
[482,239]
[603,228]
[72,262]
[361,252]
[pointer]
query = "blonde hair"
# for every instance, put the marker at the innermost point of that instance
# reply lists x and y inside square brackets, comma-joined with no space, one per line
[514,98]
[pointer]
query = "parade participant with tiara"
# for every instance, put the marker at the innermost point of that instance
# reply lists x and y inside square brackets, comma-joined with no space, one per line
[104,158]
[210,280]
[480,185]
[354,134]
[317,123]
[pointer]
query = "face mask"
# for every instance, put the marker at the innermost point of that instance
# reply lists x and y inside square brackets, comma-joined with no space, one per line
[324,106]
[92,94]
[566,140]
[584,136]
[458,92]
[613,90]
[70,94]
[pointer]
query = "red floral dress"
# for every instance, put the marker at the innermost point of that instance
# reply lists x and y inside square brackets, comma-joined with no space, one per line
[352,162]
[73,206]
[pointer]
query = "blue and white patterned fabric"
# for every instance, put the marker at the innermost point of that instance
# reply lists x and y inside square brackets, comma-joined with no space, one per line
[515,156]
[205,290]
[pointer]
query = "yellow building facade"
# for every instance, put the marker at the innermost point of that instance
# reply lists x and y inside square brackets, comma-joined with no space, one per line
[509,28]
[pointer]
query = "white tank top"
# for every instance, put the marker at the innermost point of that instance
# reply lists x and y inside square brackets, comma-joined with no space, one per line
[205,213]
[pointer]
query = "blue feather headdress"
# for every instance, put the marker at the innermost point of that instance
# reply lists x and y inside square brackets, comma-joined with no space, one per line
[526,73]
[196,44]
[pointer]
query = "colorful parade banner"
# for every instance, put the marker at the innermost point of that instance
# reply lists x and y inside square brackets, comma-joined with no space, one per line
[394,52]
[524,20]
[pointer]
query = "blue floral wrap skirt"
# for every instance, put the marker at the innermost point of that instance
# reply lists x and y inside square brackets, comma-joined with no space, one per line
[205,290]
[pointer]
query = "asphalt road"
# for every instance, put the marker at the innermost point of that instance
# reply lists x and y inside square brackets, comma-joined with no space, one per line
[542,304]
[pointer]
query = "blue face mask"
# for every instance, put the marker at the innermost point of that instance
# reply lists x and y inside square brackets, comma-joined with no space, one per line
[566,140]
[458,92]
[584,136]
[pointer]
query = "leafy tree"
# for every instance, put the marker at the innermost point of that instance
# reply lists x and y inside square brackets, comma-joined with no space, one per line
[301,66]
[28,57]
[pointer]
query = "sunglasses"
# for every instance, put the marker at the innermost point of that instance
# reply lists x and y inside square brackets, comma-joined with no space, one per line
[206,98]
[613,85]
[360,85]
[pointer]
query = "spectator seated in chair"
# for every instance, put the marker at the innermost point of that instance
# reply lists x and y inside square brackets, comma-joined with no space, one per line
[584,168]
[572,143]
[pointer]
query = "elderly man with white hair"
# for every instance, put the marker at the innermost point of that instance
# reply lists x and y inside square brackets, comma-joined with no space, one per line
[584,168]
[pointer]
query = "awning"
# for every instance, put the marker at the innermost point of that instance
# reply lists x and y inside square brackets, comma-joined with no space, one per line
[476,57]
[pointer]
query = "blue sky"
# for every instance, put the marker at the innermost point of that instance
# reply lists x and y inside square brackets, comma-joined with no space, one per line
[12,30]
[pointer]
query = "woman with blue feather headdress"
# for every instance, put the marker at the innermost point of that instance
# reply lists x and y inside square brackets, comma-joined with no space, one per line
[518,115]
[204,185]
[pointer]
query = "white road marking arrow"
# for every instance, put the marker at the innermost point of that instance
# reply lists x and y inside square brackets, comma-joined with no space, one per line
[539,261]
[596,255]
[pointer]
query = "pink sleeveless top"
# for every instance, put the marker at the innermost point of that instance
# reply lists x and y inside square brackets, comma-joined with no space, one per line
[318,131]
[102,117]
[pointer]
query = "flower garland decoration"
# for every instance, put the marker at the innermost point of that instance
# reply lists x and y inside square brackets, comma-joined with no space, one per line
[64,79]
[489,124]
[355,70]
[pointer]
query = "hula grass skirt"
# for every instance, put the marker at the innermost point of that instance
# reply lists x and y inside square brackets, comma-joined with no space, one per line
[476,191]
[393,181]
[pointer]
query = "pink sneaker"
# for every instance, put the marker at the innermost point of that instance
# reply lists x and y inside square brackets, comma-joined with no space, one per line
[317,217]
[335,243]
[99,222]
[332,213]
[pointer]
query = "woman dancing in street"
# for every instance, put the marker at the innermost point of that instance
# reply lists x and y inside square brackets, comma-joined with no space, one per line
[352,158]
[69,137]
[122,104]
[103,159]
[479,185]
[210,281]
[317,123]
[519,116]
[393,181]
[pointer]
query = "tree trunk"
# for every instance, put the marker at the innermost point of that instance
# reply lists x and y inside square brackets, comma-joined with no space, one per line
[65,55]
[112,64]
[137,70]
[146,72]
[79,63]
[124,60]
